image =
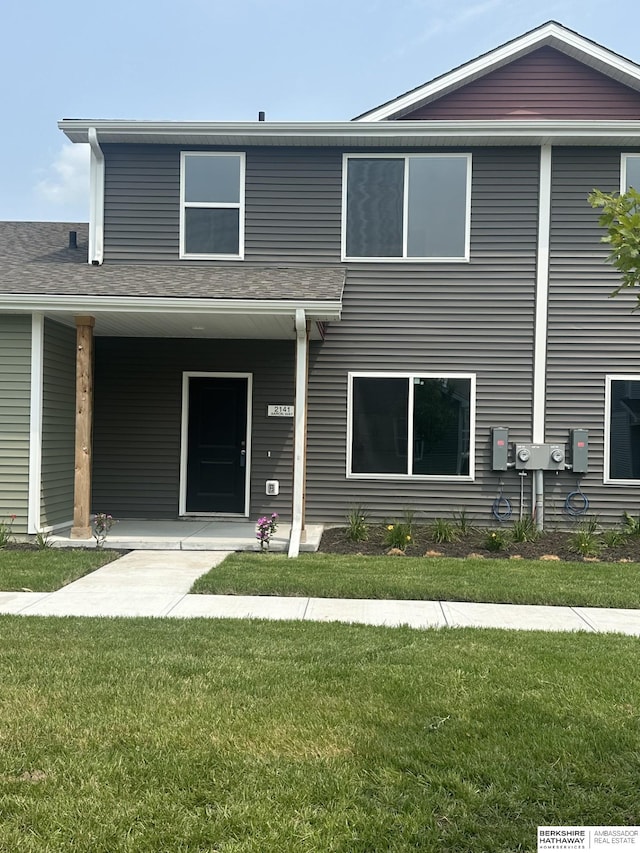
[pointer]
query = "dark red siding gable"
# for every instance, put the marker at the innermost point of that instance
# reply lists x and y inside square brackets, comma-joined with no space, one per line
[545,84]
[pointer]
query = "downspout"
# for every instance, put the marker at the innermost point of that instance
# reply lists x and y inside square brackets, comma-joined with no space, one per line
[541,327]
[96,203]
[300,432]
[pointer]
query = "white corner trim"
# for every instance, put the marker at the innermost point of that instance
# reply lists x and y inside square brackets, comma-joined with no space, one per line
[96,199]
[35,422]
[300,438]
[542,297]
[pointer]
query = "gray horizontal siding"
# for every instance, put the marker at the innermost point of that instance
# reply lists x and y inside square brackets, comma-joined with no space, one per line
[590,334]
[138,399]
[15,385]
[473,318]
[58,424]
[292,204]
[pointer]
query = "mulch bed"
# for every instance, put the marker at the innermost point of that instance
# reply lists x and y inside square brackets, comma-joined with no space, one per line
[555,543]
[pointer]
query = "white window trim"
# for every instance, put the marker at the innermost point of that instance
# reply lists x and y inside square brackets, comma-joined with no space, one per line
[623,169]
[624,377]
[239,206]
[409,376]
[405,231]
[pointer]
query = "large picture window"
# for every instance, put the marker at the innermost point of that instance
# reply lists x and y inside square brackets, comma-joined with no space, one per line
[630,172]
[622,428]
[212,205]
[407,207]
[411,425]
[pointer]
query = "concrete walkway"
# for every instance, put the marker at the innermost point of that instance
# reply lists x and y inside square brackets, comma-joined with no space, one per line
[157,583]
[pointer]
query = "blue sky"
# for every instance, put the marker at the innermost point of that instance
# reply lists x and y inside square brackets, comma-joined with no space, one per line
[225,61]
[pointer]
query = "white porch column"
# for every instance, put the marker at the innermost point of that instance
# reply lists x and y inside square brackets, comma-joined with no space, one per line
[84,427]
[35,424]
[300,432]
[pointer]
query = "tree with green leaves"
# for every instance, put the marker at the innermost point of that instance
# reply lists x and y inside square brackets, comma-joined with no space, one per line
[621,218]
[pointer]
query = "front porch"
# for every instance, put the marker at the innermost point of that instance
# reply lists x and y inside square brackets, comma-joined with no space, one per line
[190,535]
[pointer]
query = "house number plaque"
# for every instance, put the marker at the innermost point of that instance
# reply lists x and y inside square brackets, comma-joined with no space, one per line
[280,411]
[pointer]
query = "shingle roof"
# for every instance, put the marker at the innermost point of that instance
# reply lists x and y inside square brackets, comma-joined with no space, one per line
[35,258]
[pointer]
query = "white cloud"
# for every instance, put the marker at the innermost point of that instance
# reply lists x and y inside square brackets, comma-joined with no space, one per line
[67,181]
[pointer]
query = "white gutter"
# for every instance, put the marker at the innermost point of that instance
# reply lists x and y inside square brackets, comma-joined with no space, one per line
[318,309]
[96,196]
[35,423]
[365,133]
[300,434]
[541,326]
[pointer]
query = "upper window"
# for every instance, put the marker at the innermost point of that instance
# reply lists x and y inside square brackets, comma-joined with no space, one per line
[413,206]
[630,172]
[622,428]
[211,205]
[411,425]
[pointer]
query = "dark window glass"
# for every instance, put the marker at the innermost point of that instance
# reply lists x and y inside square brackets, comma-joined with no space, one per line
[380,426]
[211,230]
[624,432]
[633,172]
[441,426]
[437,207]
[375,192]
[212,179]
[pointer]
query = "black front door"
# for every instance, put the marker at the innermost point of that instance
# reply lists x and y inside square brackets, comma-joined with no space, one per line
[217,434]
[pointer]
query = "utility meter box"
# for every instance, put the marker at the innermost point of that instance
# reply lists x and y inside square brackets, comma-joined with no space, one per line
[540,457]
[499,448]
[272,488]
[580,450]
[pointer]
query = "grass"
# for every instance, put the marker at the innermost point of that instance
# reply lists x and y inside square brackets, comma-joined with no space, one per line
[208,735]
[50,569]
[508,581]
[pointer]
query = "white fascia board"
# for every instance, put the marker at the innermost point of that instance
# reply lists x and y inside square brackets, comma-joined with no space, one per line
[550,34]
[329,309]
[359,133]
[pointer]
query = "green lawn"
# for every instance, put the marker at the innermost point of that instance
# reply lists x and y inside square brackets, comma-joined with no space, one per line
[208,735]
[511,581]
[49,569]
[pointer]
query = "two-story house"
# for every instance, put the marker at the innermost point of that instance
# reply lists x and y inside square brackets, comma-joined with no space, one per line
[304,317]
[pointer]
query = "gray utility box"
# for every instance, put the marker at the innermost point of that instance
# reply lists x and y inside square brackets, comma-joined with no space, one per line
[580,450]
[540,457]
[499,448]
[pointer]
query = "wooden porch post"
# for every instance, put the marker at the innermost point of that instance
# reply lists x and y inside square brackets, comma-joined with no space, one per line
[84,426]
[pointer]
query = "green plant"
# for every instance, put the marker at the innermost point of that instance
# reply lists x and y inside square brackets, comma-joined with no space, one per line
[398,535]
[265,528]
[5,530]
[614,538]
[621,218]
[357,528]
[495,540]
[102,524]
[462,521]
[443,531]
[525,530]
[585,540]
[631,525]
[43,540]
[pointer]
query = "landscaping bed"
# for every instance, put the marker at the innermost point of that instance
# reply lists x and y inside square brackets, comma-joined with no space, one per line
[581,543]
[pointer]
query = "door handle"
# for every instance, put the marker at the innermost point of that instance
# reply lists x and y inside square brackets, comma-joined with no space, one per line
[243,458]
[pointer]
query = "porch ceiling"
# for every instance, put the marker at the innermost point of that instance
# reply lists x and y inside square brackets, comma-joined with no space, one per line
[189,325]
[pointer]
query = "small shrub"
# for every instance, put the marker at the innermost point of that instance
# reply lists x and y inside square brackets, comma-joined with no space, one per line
[462,521]
[614,538]
[265,528]
[585,540]
[357,528]
[398,535]
[443,531]
[495,540]
[5,530]
[43,540]
[631,525]
[525,530]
